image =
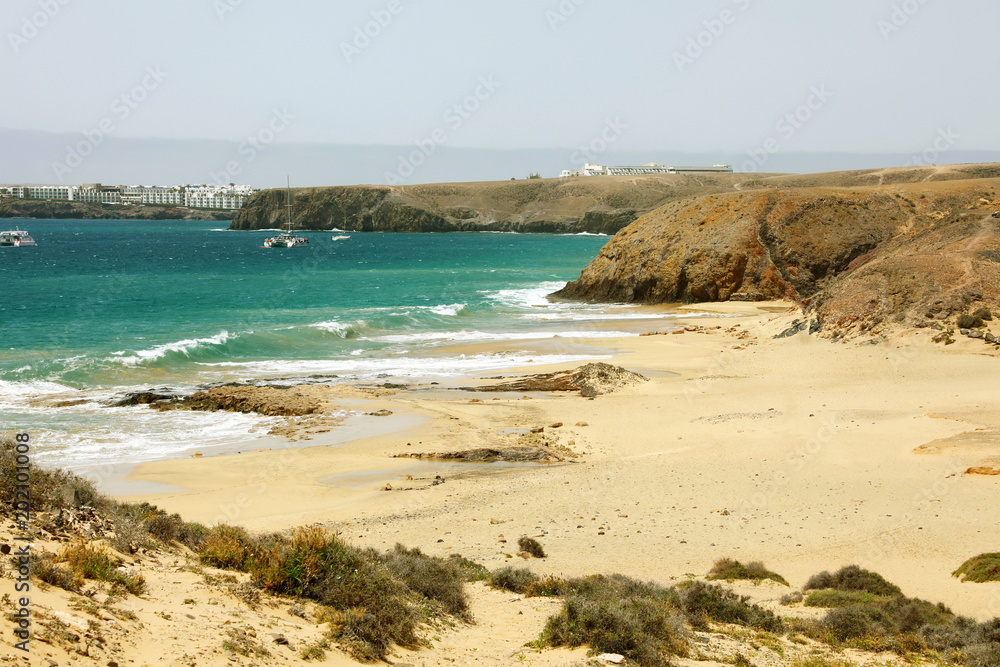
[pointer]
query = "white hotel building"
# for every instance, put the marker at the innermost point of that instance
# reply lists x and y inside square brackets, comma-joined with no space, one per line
[227,197]
[651,168]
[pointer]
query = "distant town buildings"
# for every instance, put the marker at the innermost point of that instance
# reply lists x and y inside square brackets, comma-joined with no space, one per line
[651,168]
[228,197]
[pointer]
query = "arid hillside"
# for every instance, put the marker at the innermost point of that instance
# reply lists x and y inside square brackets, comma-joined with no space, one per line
[602,204]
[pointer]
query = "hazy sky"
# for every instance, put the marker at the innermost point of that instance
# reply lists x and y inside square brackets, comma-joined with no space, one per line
[734,76]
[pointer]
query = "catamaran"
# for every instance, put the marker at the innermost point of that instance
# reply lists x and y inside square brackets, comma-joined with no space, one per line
[16,237]
[286,239]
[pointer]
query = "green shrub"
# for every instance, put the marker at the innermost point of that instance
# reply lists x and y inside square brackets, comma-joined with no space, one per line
[853,578]
[980,569]
[517,580]
[969,322]
[618,615]
[434,578]
[983,314]
[704,602]
[857,621]
[729,569]
[531,546]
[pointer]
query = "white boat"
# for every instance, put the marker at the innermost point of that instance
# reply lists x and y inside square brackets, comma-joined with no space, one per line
[17,238]
[340,237]
[286,239]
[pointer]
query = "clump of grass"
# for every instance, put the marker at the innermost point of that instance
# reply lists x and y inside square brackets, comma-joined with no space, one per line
[90,561]
[832,599]
[791,598]
[531,546]
[516,580]
[616,614]
[471,571]
[44,567]
[853,578]
[227,547]
[980,569]
[730,570]
[711,602]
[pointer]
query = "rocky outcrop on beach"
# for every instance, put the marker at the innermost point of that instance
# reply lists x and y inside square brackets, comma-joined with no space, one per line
[918,245]
[590,380]
[72,210]
[522,454]
[598,205]
[269,401]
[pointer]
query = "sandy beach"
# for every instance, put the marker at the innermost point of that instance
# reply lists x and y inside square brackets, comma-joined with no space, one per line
[799,452]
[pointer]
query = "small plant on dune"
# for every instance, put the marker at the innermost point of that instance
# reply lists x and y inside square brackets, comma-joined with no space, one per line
[227,547]
[983,314]
[980,569]
[45,568]
[531,546]
[471,571]
[711,602]
[516,580]
[969,322]
[435,578]
[853,578]
[729,569]
[93,562]
[616,614]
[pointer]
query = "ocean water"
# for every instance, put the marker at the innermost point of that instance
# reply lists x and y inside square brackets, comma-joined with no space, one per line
[102,308]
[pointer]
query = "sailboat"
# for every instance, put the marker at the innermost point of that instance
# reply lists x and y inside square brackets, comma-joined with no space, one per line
[286,239]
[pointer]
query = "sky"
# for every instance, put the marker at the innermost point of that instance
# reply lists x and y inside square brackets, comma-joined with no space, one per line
[413,90]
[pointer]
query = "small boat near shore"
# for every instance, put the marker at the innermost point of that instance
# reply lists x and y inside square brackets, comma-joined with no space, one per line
[16,238]
[286,239]
[340,237]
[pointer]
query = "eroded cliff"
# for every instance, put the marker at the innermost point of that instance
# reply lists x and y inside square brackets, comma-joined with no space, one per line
[917,245]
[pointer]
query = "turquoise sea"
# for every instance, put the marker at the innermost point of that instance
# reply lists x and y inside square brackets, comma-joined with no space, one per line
[102,308]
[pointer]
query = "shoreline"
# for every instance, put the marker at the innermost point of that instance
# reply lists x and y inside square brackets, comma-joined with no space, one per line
[797,452]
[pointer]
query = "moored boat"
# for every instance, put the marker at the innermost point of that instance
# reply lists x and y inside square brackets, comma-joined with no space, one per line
[16,238]
[286,239]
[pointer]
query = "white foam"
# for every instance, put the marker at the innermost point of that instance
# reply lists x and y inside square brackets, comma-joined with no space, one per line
[160,351]
[399,365]
[453,310]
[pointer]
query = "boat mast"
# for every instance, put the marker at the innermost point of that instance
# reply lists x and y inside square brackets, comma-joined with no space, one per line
[288,188]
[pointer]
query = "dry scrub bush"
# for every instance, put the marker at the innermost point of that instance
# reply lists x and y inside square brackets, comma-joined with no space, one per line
[729,569]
